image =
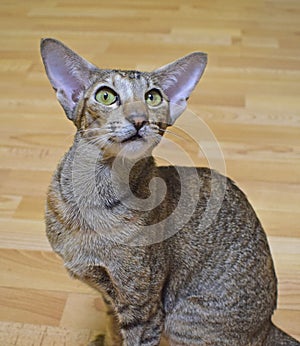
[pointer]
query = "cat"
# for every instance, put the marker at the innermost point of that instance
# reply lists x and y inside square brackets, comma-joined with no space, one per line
[175,251]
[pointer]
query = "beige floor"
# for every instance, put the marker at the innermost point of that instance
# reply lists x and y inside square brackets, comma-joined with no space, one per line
[249,98]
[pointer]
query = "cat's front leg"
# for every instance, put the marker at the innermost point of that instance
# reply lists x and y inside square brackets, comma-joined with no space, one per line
[139,328]
[112,336]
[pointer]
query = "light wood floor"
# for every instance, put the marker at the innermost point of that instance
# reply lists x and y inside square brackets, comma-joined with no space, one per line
[249,97]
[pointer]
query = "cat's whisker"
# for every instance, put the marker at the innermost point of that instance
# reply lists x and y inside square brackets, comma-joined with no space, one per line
[173,134]
[97,142]
[88,130]
[98,131]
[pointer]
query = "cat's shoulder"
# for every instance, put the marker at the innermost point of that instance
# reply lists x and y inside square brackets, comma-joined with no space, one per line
[205,178]
[202,173]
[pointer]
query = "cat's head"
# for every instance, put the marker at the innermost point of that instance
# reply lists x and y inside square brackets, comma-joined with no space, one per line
[120,111]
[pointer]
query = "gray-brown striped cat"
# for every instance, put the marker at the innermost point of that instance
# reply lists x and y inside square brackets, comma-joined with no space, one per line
[173,250]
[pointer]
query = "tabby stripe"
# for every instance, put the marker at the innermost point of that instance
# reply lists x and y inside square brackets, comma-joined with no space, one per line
[155,332]
[131,324]
[112,204]
[149,340]
[124,308]
[185,338]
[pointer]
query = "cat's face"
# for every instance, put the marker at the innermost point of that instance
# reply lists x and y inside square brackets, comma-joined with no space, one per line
[121,112]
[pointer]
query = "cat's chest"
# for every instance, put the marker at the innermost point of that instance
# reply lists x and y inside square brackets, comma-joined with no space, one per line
[80,250]
[86,252]
[88,259]
[108,267]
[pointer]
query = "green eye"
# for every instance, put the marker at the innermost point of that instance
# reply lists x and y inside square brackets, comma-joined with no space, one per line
[106,96]
[153,98]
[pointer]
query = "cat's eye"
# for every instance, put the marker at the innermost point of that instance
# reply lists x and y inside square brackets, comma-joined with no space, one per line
[153,97]
[106,96]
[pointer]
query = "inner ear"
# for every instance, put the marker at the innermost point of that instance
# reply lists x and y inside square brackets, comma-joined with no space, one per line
[68,73]
[179,78]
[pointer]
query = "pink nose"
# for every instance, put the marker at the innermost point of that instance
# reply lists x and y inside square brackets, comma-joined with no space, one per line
[136,113]
[138,121]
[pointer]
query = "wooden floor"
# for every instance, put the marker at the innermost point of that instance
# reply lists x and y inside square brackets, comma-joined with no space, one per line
[249,98]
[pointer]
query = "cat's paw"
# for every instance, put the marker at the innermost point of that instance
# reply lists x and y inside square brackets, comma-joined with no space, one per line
[99,341]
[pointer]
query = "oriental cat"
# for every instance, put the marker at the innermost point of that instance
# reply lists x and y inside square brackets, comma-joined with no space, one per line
[174,251]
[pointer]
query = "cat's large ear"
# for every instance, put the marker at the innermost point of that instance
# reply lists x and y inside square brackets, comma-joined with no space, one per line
[179,78]
[68,73]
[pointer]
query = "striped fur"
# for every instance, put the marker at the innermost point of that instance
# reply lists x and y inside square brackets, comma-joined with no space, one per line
[210,282]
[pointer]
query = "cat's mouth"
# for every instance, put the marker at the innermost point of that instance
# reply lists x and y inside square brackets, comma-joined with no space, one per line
[132,138]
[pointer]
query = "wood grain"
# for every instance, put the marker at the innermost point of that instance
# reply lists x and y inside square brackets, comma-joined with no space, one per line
[248,98]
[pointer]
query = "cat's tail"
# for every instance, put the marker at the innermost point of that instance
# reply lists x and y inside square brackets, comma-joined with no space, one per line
[277,337]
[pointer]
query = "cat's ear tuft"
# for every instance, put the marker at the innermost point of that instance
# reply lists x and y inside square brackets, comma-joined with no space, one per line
[179,78]
[68,73]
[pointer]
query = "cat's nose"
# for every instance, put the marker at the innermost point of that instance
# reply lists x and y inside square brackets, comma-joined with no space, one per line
[136,113]
[138,122]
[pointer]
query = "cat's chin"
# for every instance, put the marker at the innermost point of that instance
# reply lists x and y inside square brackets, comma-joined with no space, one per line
[135,148]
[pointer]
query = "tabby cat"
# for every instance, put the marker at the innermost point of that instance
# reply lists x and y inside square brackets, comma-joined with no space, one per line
[175,251]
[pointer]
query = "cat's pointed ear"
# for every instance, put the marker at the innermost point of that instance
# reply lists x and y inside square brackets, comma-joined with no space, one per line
[179,78]
[68,73]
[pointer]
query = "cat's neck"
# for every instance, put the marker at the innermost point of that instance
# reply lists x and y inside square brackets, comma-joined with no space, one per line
[112,178]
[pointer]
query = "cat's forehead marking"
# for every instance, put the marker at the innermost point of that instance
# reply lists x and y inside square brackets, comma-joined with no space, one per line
[130,84]
[129,74]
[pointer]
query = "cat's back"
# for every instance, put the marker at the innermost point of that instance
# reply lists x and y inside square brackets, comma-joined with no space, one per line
[221,255]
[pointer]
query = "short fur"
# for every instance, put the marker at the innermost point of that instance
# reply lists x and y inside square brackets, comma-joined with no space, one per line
[210,281]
